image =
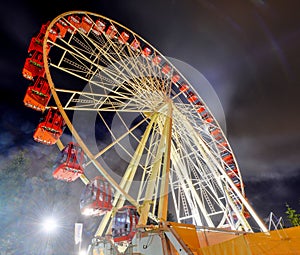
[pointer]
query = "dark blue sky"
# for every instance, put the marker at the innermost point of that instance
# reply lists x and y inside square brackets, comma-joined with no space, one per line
[247,50]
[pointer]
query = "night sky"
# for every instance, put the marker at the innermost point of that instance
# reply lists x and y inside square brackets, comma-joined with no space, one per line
[247,50]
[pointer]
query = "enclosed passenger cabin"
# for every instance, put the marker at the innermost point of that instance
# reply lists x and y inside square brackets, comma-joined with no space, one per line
[70,163]
[75,20]
[227,156]
[54,33]
[199,106]
[111,31]
[123,38]
[192,97]
[86,25]
[156,60]
[215,131]
[206,117]
[99,27]
[63,27]
[50,128]
[36,43]
[175,78]
[135,44]
[38,94]
[231,170]
[34,65]
[146,52]
[124,224]
[96,198]
[183,87]
[166,69]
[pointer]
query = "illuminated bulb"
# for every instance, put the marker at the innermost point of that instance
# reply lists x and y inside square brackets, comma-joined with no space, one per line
[49,225]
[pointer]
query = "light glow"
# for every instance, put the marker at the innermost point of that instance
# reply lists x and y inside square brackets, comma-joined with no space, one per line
[49,225]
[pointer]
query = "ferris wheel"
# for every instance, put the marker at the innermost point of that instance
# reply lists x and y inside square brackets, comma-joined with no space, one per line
[142,125]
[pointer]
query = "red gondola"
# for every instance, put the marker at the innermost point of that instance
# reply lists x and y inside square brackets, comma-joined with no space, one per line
[192,97]
[63,28]
[75,20]
[231,167]
[156,60]
[226,156]
[124,224]
[215,131]
[38,94]
[123,38]
[231,170]
[207,117]
[175,78]
[54,33]
[96,198]
[135,44]
[86,25]
[99,27]
[183,87]
[232,173]
[220,139]
[70,164]
[50,127]
[111,31]
[221,143]
[146,52]
[166,69]
[200,107]
[36,43]
[34,65]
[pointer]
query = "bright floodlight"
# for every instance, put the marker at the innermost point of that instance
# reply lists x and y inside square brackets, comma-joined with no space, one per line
[49,225]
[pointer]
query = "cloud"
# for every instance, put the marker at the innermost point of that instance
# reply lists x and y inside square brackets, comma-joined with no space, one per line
[267,157]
